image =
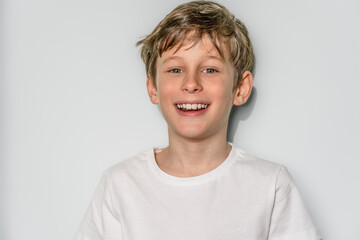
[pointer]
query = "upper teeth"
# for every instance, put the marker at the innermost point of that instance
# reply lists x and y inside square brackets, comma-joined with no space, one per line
[193,106]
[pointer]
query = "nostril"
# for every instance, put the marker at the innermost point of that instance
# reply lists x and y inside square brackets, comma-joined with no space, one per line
[191,83]
[192,88]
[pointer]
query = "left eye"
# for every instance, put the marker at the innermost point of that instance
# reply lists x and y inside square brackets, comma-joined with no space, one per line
[175,70]
[209,70]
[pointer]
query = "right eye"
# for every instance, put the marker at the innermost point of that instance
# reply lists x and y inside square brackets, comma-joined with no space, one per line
[176,70]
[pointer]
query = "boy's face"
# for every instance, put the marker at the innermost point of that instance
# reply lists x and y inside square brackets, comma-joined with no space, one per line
[194,88]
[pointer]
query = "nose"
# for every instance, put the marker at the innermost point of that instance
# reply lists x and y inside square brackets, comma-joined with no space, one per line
[192,83]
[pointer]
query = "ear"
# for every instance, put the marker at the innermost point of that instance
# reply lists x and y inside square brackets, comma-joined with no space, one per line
[243,90]
[152,91]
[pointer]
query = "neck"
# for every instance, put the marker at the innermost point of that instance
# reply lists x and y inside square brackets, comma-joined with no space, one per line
[188,157]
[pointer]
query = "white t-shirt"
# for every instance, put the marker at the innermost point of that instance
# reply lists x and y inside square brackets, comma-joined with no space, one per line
[245,198]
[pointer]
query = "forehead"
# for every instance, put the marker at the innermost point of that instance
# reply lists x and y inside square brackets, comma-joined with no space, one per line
[204,46]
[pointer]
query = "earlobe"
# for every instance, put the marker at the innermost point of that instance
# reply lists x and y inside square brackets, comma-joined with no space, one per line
[243,90]
[152,91]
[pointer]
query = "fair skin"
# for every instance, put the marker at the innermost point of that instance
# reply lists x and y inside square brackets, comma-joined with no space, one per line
[195,92]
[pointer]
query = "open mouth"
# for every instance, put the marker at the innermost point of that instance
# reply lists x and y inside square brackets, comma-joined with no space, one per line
[185,107]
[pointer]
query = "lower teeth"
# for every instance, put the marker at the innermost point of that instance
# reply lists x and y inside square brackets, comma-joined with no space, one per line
[187,110]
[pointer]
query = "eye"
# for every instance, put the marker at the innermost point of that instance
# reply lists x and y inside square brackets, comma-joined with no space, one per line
[176,70]
[209,70]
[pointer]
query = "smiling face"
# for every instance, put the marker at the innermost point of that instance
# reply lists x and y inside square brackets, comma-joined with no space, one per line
[195,90]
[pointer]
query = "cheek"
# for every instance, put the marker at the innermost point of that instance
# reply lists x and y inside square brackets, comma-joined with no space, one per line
[221,92]
[165,92]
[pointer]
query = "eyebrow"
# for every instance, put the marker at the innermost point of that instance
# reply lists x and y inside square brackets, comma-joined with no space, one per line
[171,58]
[214,57]
[208,56]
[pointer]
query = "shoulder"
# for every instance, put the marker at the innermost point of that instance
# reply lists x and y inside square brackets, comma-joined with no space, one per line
[248,162]
[135,166]
[261,170]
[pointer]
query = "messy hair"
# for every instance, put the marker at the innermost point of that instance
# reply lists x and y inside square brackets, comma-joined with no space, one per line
[191,21]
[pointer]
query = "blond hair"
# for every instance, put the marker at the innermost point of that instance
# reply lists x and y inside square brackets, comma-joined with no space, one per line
[199,18]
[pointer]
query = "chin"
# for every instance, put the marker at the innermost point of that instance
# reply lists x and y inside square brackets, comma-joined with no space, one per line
[193,133]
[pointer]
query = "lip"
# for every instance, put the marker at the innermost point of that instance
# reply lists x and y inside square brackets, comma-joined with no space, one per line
[192,102]
[191,113]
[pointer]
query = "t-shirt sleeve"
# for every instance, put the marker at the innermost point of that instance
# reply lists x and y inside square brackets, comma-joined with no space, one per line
[101,221]
[290,219]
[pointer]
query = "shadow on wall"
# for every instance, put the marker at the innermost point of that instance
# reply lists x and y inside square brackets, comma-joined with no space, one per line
[240,113]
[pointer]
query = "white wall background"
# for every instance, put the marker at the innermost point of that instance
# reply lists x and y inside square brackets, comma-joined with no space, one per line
[73,103]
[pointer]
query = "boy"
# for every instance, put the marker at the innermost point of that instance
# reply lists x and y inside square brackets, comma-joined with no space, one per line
[198,62]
